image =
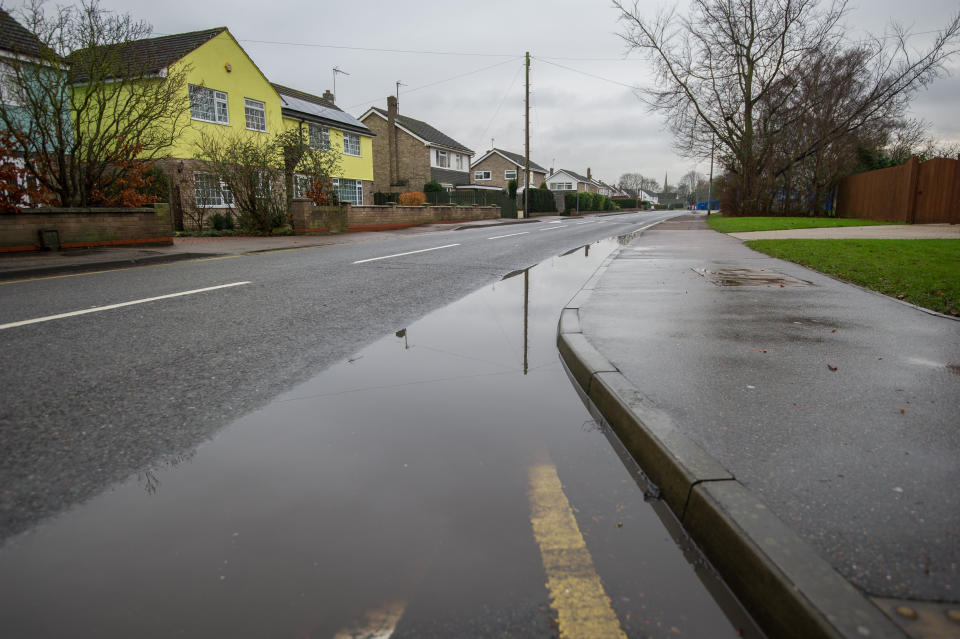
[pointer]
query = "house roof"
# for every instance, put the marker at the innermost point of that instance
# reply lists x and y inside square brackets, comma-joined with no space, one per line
[425,132]
[151,54]
[15,37]
[576,176]
[516,158]
[313,108]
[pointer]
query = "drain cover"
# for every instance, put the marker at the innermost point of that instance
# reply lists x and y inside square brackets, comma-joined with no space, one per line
[749,277]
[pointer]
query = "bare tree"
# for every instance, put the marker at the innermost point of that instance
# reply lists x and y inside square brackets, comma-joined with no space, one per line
[261,174]
[87,110]
[631,183]
[730,73]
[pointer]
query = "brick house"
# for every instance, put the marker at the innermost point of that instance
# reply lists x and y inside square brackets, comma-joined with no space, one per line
[408,153]
[497,167]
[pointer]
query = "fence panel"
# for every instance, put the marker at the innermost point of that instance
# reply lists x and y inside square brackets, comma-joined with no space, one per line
[937,196]
[915,192]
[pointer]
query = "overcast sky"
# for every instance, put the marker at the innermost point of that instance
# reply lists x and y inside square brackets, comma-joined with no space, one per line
[462,68]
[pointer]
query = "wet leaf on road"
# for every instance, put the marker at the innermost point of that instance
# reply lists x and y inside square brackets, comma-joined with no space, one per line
[831,367]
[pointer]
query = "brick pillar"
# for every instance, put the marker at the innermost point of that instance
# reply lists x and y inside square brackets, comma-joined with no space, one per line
[392,140]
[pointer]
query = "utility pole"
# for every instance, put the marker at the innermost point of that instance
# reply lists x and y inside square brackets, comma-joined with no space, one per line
[526,146]
[713,146]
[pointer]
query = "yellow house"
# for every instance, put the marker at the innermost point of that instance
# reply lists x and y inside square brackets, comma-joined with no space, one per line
[328,127]
[229,95]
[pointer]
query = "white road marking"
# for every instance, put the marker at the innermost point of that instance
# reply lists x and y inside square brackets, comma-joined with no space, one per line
[97,309]
[387,257]
[497,237]
[552,228]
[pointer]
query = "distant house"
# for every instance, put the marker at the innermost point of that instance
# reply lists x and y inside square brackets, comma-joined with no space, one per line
[328,127]
[408,153]
[567,180]
[497,167]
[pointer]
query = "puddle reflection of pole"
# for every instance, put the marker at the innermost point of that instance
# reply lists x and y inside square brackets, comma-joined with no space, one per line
[526,307]
[403,333]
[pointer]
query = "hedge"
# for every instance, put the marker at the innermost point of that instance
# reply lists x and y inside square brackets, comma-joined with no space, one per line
[541,201]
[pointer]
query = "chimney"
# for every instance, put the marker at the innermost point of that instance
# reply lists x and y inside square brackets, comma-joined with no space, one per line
[327,96]
[589,176]
[392,140]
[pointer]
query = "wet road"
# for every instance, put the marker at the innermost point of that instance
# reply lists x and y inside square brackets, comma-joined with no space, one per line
[444,480]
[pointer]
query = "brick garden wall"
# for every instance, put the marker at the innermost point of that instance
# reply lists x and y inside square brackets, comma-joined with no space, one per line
[308,218]
[79,228]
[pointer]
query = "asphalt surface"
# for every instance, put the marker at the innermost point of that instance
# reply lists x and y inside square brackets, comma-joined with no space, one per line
[835,406]
[93,398]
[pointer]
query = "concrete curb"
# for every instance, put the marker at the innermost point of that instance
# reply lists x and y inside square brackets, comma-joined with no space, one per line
[787,587]
[83,267]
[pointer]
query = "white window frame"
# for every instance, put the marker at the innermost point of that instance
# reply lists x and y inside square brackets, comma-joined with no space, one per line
[459,162]
[319,136]
[482,176]
[218,102]
[351,143]
[442,159]
[257,111]
[357,191]
[223,197]
[507,176]
[301,185]
[561,186]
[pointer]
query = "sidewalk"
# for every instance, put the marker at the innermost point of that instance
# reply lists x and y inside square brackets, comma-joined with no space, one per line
[804,430]
[40,263]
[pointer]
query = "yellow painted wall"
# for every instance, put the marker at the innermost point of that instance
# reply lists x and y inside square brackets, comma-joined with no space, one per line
[244,80]
[352,167]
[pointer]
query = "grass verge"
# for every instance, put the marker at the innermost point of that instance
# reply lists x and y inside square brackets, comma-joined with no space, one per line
[747,224]
[922,272]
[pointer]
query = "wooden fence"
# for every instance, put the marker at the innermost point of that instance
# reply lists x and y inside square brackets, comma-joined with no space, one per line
[915,193]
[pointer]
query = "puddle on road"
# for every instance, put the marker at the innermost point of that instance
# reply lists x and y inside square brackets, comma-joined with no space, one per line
[392,487]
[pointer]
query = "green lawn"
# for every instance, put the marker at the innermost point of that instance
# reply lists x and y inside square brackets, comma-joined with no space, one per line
[922,272]
[746,224]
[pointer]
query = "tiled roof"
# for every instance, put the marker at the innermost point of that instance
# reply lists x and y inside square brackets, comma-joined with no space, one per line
[303,95]
[14,37]
[576,176]
[520,161]
[152,54]
[426,132]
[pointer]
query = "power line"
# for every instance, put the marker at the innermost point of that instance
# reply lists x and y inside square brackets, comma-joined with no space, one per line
[424,86]
[417,51]
[588,74]
[502,99]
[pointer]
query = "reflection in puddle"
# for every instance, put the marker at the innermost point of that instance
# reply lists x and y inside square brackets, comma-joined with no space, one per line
[400,475]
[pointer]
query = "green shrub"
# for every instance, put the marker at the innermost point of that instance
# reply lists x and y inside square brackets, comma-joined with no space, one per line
[512,189]
[542,201]
[625,202]
[432,187]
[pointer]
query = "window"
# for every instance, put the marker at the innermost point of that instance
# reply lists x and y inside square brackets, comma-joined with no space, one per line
[210,192]
[319,137]
[443,161]
[349,191]
[9,90]
[256,114]
[208,105]
[481,175]
[510,174]
[351,144]
[302,184]
[459,162]
[561,186]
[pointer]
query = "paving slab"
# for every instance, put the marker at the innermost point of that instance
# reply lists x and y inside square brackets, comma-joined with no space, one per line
[833,407]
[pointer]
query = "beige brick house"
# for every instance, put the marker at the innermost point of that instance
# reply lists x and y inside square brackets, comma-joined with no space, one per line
[497,167]
[408,153]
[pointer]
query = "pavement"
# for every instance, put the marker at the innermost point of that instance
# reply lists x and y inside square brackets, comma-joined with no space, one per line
[803,430]
[41,263]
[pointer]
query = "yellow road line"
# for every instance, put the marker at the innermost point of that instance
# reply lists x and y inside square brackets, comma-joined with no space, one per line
[583,608]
